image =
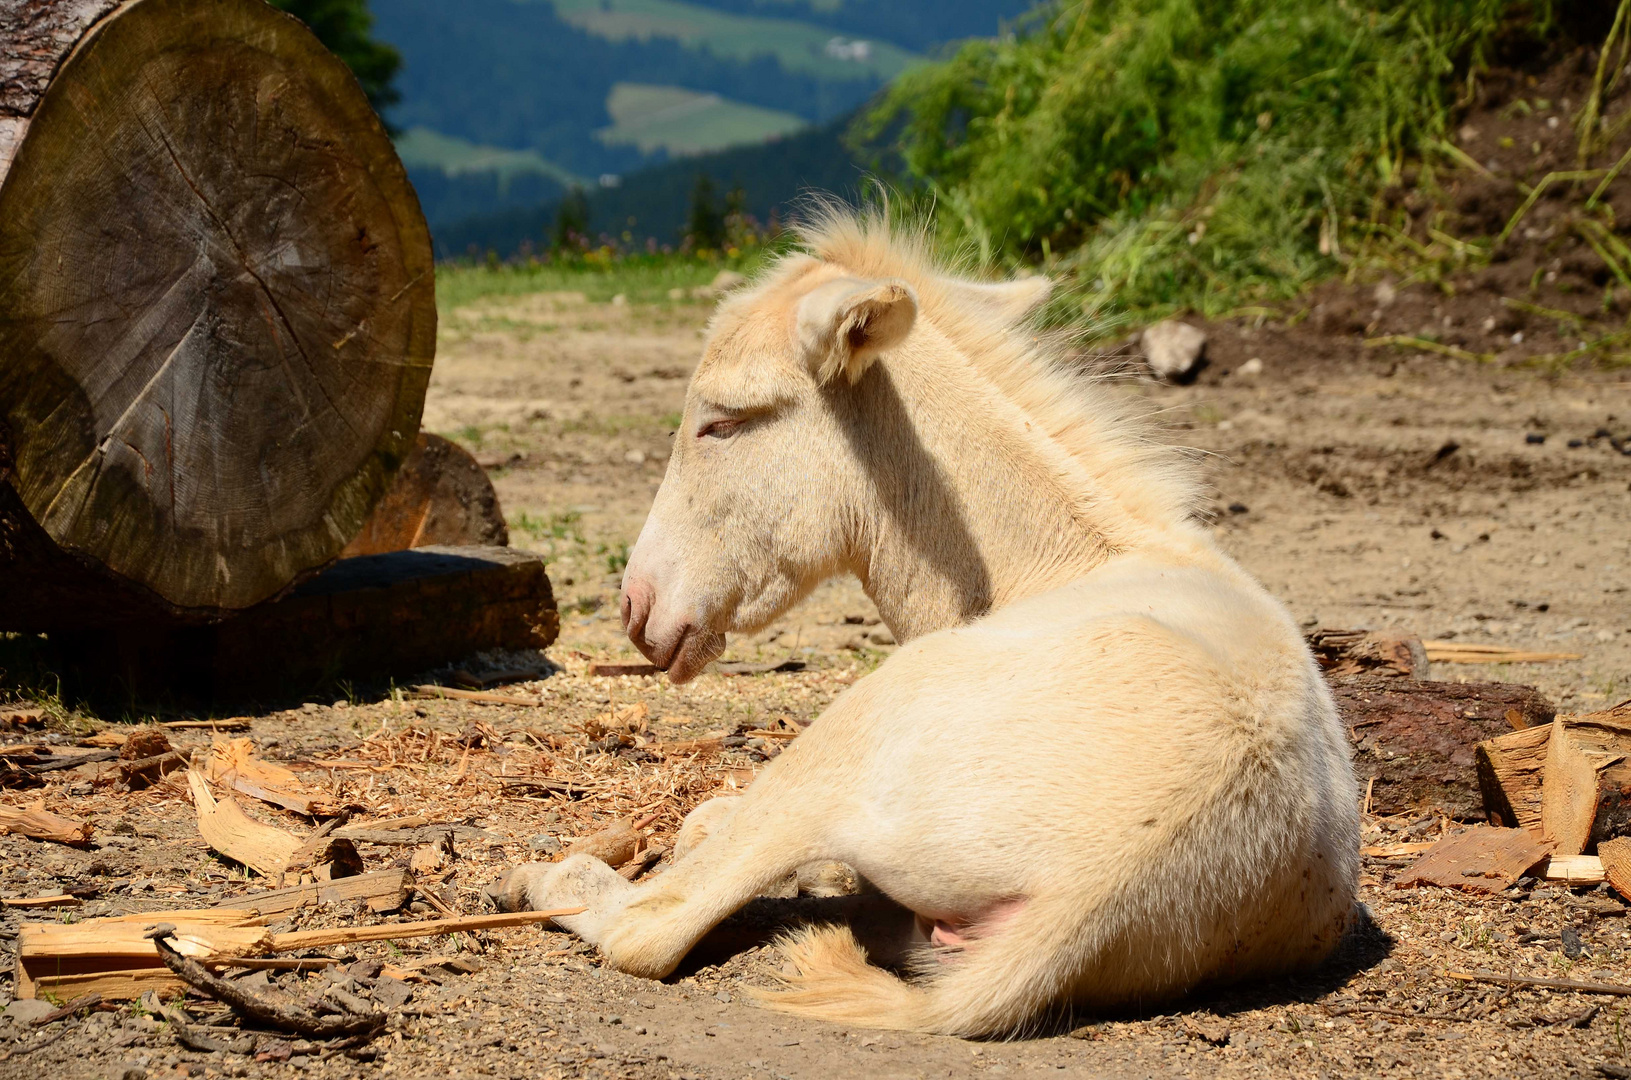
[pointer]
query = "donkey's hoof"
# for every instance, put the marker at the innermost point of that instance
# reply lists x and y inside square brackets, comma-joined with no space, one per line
[509,892]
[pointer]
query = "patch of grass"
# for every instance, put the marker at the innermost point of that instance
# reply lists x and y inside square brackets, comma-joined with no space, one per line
[639,278]
[1165,155]
[683,121]
[799,46]
[420,147]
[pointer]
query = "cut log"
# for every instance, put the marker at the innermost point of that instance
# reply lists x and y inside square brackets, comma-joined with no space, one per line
[1344,653]
[439,497]
[383,891]
[1586,790]
[1615,856]
[1417,739]
[1481,859]
[367,618]
[1574,869]
[217,310]
[1510,768]
[234,834]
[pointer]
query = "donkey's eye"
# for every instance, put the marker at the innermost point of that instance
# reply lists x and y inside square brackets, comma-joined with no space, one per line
[719,429]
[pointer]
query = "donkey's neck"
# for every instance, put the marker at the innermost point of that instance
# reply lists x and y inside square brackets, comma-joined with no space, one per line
[973,507]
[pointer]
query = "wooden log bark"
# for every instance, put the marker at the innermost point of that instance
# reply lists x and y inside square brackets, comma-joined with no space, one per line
[1416,739]
[1345,653]
[362,619]
[441,497]
[1586,788]
[217,310]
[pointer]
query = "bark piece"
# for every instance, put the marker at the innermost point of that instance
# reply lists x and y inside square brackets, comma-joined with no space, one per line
[286,1016]
[1417,739]
[382,891]
[614,845]
[233,763]
[1510,769]
[439,496]
[145,772]
[38,824]
[1481,859]
[1343,653]
[1586,788]
[1615,856]
[234,834]
[217,309]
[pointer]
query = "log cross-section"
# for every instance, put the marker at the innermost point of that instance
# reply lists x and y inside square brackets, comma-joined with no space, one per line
[217,309]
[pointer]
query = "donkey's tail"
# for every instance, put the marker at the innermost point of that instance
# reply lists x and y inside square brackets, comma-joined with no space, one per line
[996,986]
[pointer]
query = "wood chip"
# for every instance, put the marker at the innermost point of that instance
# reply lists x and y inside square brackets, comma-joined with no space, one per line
[1586,786]
[348,935]
[233,763]
[37,824]
[1510,771]
[1574,869]
[479,697]
[383,891]
[1481,859]
[1462,652]
[234,834]
[58,900]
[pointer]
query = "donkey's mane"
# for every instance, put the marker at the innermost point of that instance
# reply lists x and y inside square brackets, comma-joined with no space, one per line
[1121,447]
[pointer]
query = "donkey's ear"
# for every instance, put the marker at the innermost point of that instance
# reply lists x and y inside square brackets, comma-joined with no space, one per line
[1010,301]
[844,325]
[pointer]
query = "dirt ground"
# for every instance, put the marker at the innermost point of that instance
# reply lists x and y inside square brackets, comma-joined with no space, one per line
[1366,489]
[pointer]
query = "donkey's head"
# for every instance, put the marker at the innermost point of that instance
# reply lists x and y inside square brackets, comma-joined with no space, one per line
[767,491]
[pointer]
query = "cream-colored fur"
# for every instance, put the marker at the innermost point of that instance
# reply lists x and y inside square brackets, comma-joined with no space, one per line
[1097,719]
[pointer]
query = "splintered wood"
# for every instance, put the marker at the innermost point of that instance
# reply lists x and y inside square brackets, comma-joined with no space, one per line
[232,763]
[222,823]
[38,824]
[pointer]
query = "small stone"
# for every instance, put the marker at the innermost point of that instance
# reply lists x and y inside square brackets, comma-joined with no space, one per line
[1573,947]
[1173,349]
[635,457]
[722,996]
[544,844]
[1239,508]
[881,636]
[1535,438]
[620,300]
[1539,560]
[28,1010]
[1385,293]
[1250,369]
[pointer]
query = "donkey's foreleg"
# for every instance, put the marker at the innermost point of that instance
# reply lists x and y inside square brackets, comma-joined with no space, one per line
[647,929]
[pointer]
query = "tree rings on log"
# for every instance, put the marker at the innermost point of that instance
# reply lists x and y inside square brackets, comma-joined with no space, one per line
[441,496]
[217,314]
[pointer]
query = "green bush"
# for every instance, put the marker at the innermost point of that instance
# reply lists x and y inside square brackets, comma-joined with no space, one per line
[1200,154]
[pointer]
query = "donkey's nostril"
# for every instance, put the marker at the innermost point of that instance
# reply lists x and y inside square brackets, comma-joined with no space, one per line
[626,607]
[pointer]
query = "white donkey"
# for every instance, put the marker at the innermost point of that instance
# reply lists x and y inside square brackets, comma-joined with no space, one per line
[1102,769]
